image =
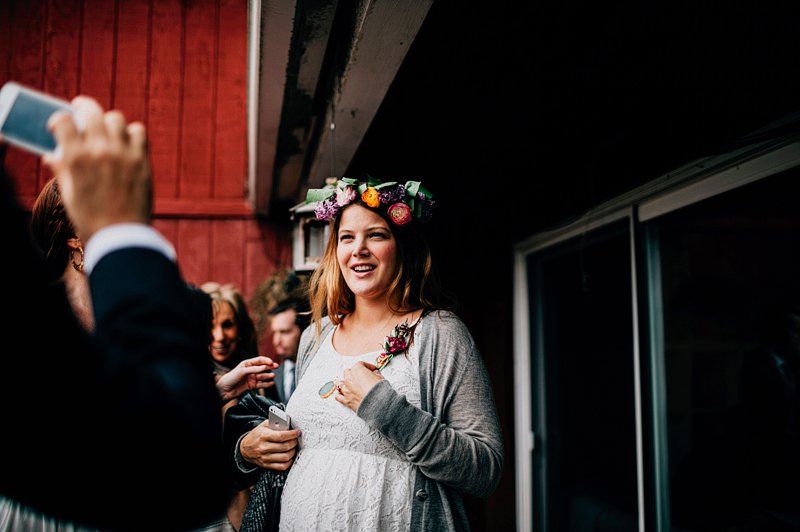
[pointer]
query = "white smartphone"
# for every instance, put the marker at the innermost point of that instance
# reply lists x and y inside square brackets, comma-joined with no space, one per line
[278,419]
[23,117]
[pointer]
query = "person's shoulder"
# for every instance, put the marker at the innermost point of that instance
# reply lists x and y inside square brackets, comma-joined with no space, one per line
[324,323]
[309,334]
[445,322]
[441,317]
[306,336]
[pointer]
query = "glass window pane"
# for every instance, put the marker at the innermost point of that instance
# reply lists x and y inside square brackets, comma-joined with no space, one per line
[730,266]
[586,462]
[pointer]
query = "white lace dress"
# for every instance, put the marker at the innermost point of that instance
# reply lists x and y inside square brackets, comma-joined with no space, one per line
[347,476]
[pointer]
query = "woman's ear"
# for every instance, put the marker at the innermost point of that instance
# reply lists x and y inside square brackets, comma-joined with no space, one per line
[75,243]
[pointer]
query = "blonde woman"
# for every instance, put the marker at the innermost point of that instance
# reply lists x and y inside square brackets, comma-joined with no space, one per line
[393,400]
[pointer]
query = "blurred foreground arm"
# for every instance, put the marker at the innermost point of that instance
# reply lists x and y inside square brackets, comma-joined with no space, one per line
[137,404]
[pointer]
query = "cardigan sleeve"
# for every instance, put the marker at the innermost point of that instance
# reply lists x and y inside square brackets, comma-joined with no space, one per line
[459,442]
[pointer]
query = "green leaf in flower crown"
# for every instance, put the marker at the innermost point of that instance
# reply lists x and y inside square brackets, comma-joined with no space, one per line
[347,181]
[384,185]
[318,194]
[411,197]
[412,187]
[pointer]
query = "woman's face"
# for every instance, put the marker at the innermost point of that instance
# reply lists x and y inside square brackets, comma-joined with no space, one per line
[224,333]
[366,251]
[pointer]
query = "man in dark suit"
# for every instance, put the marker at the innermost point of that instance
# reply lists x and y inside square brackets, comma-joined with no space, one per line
[120,429]
[287,321]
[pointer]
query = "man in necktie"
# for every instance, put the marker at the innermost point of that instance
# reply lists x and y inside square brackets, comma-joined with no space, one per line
[287,321]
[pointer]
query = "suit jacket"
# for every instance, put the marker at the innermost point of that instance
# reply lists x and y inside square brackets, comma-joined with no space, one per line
[119,429]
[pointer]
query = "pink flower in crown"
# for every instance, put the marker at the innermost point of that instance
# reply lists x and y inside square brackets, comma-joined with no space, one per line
[345,195]
[326,210]
[399,213]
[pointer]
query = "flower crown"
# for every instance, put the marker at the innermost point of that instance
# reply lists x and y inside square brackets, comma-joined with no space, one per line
[402,203]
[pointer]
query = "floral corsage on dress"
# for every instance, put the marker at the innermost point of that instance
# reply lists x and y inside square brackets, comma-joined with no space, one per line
[396,343]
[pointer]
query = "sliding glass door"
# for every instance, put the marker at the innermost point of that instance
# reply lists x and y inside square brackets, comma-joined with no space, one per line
[657,350]
[586,424]
[729,278]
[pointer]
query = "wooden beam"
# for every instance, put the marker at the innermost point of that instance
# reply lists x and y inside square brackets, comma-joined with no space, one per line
[382,39]
[202,208]
[273,43]
[313,24]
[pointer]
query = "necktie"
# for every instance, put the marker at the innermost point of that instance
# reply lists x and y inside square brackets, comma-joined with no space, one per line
[290,384]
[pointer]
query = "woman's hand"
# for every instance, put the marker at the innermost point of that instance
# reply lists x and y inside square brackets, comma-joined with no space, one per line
[270,449]
[356,383]
[251,374]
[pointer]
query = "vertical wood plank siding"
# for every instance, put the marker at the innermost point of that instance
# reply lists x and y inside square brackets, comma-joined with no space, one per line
[26,55]
[180,67]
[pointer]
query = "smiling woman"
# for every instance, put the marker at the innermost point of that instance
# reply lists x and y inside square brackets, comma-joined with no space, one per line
[388,381]
[232,330]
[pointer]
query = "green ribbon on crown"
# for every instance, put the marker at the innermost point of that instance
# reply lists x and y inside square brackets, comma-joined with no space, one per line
[412,189]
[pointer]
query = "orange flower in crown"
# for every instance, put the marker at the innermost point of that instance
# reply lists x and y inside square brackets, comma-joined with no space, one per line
[371,197]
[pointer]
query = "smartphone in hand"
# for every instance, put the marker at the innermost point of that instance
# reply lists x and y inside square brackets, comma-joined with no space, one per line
[278,419]
[24,113]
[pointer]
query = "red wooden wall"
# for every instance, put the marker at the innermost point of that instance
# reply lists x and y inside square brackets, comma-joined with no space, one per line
[181,68]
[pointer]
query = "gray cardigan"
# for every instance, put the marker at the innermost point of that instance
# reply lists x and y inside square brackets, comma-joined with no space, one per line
[454,440]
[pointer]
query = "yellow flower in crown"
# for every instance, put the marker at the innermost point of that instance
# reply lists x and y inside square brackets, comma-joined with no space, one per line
[371,197]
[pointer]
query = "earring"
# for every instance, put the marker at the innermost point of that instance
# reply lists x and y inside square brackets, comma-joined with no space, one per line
[78,266]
